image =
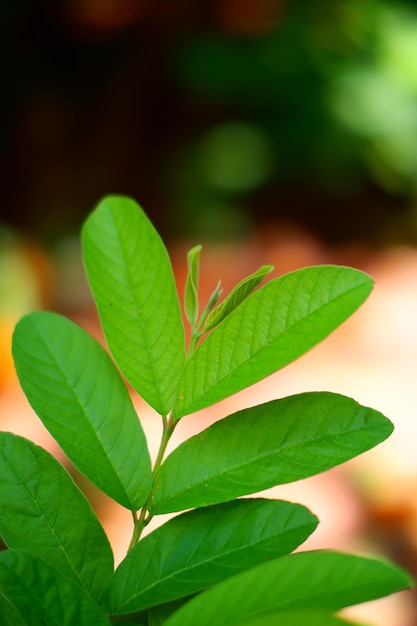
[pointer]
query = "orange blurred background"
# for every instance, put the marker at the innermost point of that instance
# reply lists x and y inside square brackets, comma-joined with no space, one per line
[272,132]
[367,505]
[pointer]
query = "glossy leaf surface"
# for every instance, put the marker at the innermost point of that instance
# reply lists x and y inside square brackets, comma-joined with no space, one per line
[133,285]
[270,444]
[306,580]
[298,618]
[274,326]
[198,549]
[76,390]
[42,595]
[44,512]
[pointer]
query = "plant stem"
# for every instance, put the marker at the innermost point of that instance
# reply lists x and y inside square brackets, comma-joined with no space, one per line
[193,342]
[169,427]
[144,516]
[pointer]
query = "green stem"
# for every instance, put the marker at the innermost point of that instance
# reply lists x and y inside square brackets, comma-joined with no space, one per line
[144,516]
[137,529]
[193,342]
[169,427]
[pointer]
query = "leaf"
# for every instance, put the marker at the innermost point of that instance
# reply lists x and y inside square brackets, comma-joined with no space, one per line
[44,596]
[191,286]
[266,445]
[159,614]
[8,614]
[237,296]
[199,548]
[77,392]
[44,512]
[274,326]
[305,580]
[297,618]
[133,285]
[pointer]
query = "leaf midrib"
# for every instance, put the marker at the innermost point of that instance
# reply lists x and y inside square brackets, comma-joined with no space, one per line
[83,409]
[133,290]
[46,518]
[313,595]
[208,561]
[261,457]
[288,331]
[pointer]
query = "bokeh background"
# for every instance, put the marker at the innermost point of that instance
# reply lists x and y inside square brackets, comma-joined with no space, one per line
[275,131]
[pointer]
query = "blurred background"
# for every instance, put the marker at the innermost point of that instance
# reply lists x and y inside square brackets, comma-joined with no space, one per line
[275,131]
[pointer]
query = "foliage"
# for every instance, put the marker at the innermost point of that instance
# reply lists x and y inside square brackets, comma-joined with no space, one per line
[224,559]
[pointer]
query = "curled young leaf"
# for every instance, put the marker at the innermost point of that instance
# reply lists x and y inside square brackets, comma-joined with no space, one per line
[191,286]
[236,297]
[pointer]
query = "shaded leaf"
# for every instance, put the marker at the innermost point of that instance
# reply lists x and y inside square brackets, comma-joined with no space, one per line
[272,327]
[42,595]
[133,285]
[237,296]
[198,549]
[306,580]
[44,512]
[191,286]
[76,390]
[159,614]
[266,445]
[8,614]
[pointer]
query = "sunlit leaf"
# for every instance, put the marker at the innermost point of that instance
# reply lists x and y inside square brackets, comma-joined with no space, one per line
[44,512]
[306,580]
[198,549]
[272,327]
[133,285]
[310,617]
[236,296]
[42,595]
[266,445]
[76,390]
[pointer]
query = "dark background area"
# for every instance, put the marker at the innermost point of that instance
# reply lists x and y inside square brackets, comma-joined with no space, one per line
[217,117]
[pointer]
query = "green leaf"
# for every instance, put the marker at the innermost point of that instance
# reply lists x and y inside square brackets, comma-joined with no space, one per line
[159,614]
[297,618]
[44,512]
[198,549]
[191,286]
[237,296]
[8,614]
[76,390]
[266,445]
[133,285]
[306,580]
[274,326]
[42,595]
